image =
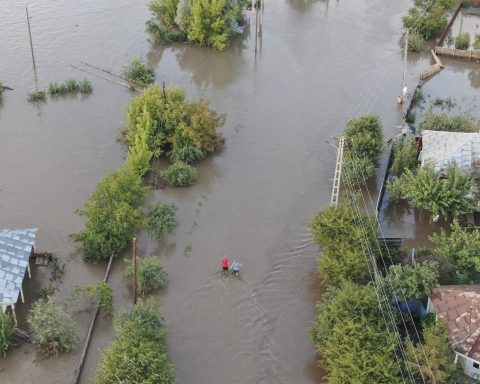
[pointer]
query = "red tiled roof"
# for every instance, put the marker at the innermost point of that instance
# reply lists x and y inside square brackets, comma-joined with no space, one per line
[459,307]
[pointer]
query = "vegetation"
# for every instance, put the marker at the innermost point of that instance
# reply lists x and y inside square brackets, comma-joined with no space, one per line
[139,71]
[161,219]
[459,249]
[202,22]
[416,42]
[408,283]
[364,144]
[462,41]
[476,44]
[188,154]
[1,89]
[36,96]
[352,339]
[442,194]
[428,17]
[404,155]
[112,214]
[341,241]
[70,86]
[445,122]
[150,274]
[418,96]
[139,353]
[435,356]
[100,295]
[6,332]
[179,175]
[51,327]
[85,86]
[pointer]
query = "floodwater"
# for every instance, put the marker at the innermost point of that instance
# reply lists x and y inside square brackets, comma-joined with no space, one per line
[318,64]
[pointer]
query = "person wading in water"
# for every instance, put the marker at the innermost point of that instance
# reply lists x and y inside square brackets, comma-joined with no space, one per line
[225,263]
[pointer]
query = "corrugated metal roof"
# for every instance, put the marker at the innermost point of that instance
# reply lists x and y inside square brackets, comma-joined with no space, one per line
[441,149]
[15,248]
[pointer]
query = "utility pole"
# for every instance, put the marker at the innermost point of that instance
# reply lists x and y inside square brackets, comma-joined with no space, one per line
[405,53]
[256,26]
[134,268]
[30,35]
[164,93]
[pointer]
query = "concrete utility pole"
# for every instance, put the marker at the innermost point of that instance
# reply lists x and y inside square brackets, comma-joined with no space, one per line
[405,53]
[30,35]
[134,268]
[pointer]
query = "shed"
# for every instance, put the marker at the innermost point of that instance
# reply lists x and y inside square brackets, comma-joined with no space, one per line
[441,149]
[16,246]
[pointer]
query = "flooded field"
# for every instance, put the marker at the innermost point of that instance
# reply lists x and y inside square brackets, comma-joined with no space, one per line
[319,64]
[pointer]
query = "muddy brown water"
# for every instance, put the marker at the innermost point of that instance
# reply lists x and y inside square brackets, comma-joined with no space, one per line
[319,63]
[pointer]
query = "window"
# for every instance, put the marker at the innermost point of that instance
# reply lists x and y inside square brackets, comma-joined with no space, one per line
[476,365]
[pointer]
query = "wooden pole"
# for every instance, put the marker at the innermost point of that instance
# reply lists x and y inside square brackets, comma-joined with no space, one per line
[405,61]
[134,267]
[256,27]
[30,35]
[14,315]
[164,93]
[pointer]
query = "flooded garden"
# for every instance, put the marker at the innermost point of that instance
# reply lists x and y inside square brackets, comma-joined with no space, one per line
[318,64]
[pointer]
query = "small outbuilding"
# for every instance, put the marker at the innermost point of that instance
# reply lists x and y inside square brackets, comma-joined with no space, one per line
[459,307]
[16,247]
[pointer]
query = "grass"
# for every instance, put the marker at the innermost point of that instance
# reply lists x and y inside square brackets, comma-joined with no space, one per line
[85,86]
[462,41]
[36,96]
[70,86]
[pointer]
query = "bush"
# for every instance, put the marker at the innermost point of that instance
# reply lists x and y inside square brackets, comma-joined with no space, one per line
[85,86]
[36,96]
[71,86]
[139,71]
[162,35]
[179,175]
[445,122]
[100,295]
[404,155]
[476,43]
[416,42]
[6,332]
[186,154]
[462,41]
[112,214]
[364,144]
[427,18]
[139,353]
[161,219]
[150,274]
[418,96]
[51,327]
[395,189]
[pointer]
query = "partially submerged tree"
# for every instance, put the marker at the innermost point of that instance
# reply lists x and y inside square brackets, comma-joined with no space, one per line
[150,274]
[428,17]
[404,155]
[99,294]
[161,219]
[51,327]
[446,122]
[139,71]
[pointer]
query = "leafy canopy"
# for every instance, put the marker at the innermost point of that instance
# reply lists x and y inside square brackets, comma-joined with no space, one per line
[150,274]
[445,122]
[404,155]
[161,219]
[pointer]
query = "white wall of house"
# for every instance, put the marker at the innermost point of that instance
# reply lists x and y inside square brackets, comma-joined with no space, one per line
[470,366]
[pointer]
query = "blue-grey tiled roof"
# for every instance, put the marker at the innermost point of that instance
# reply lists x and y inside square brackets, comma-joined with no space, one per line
[15,248]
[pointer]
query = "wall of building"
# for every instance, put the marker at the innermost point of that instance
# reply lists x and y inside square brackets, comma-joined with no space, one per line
[470,367]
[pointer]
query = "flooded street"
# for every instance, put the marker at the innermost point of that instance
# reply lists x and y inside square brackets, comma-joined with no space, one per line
[319,64]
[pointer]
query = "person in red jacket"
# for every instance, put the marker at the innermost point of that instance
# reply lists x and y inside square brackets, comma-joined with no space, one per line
[225,263]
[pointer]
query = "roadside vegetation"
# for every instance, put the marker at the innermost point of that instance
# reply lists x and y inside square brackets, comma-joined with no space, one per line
[199,22]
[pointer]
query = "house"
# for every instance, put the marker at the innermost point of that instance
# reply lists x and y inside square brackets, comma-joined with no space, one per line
[441,149]
[459,307]
[16,246]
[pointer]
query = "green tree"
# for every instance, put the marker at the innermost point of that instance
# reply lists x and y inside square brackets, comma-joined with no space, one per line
[428,18]
[434,356]
[100,295]
[408,283]
[51,327]
[179,175]
[445,122]
[139,353]
[364,145]
[166,10]
[441,196]
[404,155]
[161,219]
[460,249]
[416,42]
[139,153]
[139,71]
[6,332]
[150,274]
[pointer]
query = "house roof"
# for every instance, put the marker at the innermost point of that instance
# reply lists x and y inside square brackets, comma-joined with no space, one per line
[459,307]
[440,149]
[15,248]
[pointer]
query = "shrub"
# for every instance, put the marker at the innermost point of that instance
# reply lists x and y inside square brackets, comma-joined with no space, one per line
[427,18]
[364,144]
[462,41]
[159,34]
[445,122]
[51,327]
[416,42]
[139,353]
[179,175]
[139,71]
[71,86]
[476,43]
[53,88]
[112,214]
[404,155]
[150,274]
[418,96]
[186,154]
[36,96]
[100,295]
[6,331]
[85,86]
[161,219]
[395,189]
